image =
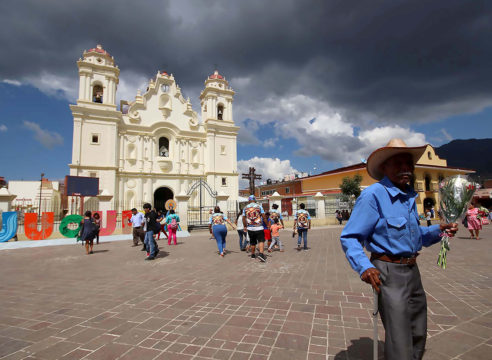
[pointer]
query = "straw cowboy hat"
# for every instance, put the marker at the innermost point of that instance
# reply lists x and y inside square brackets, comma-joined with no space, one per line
[394,147]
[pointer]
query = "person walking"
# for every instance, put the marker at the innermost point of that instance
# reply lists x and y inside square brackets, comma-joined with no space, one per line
[172,221]
[88,231]
[302,221]
[218,229]
[339,217]
[241,232]
[97,221]
[276,214]
[253,216]
[161,220]
[151,226]
[275,229]
[267,221]
[474,223]
[428,215]
[385,222]
[137,222]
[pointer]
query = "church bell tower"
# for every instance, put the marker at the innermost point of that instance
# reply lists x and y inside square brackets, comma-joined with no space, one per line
[221,166]
[96,120]
[98,77]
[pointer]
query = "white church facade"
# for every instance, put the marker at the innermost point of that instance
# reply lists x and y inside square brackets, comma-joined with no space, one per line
[153,148]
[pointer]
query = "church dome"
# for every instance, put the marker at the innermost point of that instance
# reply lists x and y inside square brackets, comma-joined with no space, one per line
[98,49]
[216,75]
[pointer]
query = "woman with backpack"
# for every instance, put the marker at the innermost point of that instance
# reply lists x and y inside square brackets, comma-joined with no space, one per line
[97,221]
[172,221]
[88,232]
[218,228]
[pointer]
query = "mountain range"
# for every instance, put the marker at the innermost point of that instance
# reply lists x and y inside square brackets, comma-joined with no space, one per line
[473,154]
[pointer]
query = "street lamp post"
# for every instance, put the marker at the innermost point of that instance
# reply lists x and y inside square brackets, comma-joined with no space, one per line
[40,189]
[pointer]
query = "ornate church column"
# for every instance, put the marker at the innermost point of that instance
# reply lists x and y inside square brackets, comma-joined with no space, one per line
[140,192]
[106,91]
[141,153]
[153,148]
[122,151]
[121,193]
[150,193]
[201,155]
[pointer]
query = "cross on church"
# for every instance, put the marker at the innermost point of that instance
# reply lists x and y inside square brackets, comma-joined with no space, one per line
[251,176]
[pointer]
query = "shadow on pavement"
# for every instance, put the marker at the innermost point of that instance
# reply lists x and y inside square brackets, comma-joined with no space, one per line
[99,251]
[360,349]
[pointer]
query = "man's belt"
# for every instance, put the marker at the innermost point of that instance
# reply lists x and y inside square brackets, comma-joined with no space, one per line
[412,260]
[137,227]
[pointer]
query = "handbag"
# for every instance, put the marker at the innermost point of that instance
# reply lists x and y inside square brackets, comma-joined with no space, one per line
[485,221]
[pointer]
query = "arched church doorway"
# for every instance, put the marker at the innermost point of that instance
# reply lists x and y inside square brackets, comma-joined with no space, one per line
[162,195]
[429,202]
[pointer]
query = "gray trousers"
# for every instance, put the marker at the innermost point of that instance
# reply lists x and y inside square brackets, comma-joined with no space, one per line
[403,309]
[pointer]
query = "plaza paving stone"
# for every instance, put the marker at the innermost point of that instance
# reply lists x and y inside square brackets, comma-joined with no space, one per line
[58,303]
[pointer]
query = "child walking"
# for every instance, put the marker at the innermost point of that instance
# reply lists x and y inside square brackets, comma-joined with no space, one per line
[274,228]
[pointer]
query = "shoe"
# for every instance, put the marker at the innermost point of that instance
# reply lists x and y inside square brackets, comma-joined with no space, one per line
[91,252]
[253,256]
[148,254]
[150,258]
[299,247]
[134,245]
[269,250]
[222,255]
[156,252]
[243,249]
[262,257]
[306,249]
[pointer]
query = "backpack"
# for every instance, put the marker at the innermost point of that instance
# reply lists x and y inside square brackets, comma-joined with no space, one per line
[302,220]
[173,224]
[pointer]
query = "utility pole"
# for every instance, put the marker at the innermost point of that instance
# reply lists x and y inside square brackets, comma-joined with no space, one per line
[251,176]
[40,190]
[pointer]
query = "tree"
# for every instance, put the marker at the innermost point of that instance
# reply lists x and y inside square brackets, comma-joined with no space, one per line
[351,189]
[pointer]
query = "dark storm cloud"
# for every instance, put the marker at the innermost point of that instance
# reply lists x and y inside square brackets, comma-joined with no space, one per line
[373,60]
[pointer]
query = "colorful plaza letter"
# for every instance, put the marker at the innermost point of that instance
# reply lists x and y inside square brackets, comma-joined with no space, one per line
[31,225]
[9,225]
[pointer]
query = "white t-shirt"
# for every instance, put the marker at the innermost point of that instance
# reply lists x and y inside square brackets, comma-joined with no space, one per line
[428,215]
[240,225]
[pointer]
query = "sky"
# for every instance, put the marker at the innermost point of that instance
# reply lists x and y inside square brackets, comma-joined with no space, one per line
[319,84]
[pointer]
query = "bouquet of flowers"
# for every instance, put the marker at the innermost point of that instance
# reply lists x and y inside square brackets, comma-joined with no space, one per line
[455,193]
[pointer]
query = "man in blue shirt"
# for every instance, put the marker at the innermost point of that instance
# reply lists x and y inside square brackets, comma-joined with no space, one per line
[385,222]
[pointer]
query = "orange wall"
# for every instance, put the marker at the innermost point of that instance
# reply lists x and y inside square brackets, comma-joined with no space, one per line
[333,181]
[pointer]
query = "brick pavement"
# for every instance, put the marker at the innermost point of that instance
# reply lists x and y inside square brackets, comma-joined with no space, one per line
[58,303]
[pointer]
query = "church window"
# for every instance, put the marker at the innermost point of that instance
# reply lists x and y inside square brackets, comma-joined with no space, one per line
[222,149]
[97,94]
[427,183]
[287,190]
[224,181]
[164,147]
[95,139]
[165,88]
[220,112]
[429,155]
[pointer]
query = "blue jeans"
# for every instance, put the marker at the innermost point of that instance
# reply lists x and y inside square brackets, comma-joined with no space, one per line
[302,236]
[242,234]
[149,243]
[220,233]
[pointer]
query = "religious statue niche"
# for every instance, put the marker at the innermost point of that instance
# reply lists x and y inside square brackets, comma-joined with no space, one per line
[164,146]
[97,94]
